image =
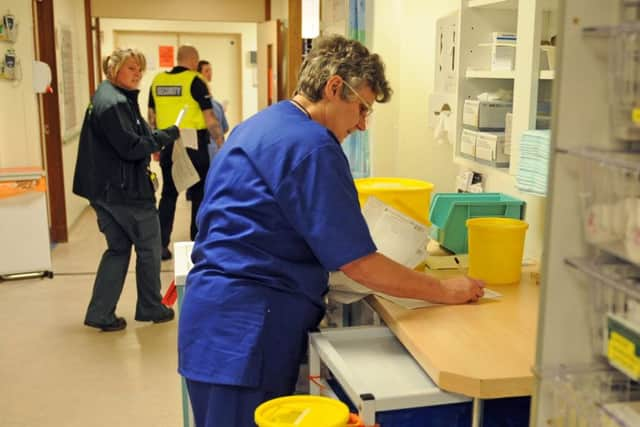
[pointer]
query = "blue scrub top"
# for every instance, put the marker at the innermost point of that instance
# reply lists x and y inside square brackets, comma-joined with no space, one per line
[218,111]
[280,211]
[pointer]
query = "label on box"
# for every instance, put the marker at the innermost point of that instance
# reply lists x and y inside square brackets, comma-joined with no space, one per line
[621,345]
[485,115]
[635,115]
[468,143]
[470,113]
[490,147]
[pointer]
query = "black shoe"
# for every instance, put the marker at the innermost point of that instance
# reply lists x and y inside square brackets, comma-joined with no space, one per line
[117,325]
[166,254]
[167,315]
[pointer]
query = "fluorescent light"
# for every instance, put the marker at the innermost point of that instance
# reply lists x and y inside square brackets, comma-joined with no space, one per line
[310,19]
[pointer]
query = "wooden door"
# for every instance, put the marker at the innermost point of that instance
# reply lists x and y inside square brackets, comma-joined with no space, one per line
[50,120]
[268,48]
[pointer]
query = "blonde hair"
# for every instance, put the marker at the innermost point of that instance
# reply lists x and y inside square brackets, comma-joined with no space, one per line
[112,63]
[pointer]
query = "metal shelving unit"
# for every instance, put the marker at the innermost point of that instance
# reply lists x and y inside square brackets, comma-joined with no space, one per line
[590,297]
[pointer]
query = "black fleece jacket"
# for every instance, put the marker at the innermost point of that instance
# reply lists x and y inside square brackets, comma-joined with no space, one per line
[114,149]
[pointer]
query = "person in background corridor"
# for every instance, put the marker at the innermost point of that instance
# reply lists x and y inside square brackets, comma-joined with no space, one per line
[204,68]
[280,212]
[170,92]
[112,173]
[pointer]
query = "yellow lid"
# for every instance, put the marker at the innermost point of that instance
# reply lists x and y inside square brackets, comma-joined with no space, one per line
[302,411]
[410,196]
[391,184]
[497,223]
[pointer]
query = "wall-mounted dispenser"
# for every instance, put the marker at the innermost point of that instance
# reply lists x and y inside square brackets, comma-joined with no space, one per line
[10,66]
[8,28]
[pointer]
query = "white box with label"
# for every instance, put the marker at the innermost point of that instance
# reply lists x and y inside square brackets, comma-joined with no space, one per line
[485,115]
[503,57]
[468,143]
[490,147]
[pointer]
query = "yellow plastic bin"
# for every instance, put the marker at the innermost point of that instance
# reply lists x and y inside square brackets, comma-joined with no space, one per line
[496,246]
[409,196]
[302,411]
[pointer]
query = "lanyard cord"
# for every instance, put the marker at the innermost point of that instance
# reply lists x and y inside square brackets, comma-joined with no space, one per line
[300,107]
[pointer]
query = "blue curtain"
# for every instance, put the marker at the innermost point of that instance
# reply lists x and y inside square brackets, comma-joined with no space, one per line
[356,146]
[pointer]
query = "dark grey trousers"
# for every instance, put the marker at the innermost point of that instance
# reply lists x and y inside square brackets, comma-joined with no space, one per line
[122,227]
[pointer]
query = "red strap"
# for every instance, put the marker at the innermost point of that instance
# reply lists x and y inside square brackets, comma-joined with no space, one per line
[315,379]
[171,295]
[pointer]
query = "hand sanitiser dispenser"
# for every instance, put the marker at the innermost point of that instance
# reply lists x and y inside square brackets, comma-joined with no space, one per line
[9,65]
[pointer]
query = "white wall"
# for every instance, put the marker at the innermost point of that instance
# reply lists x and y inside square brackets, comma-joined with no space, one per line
[402,142]
[280,10]
[20,143]
[69,14]
[191,10]
[19,120]
[247,31]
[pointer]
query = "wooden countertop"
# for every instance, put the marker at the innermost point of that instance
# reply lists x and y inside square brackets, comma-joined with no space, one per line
[483,350]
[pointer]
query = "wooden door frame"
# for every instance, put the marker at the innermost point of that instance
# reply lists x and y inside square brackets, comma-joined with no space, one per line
[50,121]
[88,30]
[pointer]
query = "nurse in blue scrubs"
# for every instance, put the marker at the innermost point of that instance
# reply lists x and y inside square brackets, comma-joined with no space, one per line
[280,211]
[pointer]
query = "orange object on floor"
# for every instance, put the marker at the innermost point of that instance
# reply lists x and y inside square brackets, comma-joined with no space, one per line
[171,295]
[355,421]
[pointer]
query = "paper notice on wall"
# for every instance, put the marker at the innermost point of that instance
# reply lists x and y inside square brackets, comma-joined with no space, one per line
[396,235]
[183,173]
[165,56]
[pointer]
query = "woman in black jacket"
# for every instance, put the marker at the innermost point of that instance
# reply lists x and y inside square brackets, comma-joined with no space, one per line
[112,173]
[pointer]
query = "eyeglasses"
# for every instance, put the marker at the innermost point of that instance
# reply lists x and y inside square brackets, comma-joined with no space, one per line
[366,109]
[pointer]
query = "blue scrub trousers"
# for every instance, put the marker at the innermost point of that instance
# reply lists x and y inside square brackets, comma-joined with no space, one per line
[217,405]
[284,344]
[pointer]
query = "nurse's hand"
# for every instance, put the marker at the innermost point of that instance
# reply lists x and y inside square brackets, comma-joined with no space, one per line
[461,290]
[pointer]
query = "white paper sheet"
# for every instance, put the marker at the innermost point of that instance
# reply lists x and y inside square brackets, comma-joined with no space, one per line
[183,173]
[345,297]
[189,138]
[411,304]
[346,289]
[396,235]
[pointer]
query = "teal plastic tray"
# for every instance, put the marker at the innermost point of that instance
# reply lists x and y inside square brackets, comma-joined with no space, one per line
[450,211]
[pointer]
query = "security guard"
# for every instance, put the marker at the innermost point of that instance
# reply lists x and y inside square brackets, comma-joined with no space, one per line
[170,92]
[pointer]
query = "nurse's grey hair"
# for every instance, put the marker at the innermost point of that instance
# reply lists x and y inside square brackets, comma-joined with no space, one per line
[112,63]
[349,59]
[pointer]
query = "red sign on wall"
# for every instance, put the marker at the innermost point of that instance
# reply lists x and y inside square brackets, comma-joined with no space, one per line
[165,56]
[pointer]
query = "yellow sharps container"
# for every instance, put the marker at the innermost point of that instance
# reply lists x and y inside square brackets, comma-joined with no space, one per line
[409,196]
[302,411]
[496,246]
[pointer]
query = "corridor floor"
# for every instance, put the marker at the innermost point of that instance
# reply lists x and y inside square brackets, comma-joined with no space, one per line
[54,371]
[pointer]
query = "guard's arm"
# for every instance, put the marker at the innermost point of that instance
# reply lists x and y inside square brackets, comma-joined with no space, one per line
[215,130]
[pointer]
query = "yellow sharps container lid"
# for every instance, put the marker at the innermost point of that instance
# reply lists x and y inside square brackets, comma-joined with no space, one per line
[302,411]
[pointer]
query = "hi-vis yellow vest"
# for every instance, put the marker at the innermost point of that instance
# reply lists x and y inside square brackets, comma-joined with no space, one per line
[170,93]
